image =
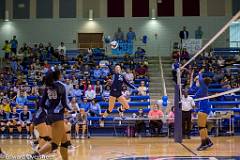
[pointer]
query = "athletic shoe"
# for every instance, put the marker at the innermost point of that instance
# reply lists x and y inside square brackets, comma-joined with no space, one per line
[2,136]
[101,123]
[77,136]
[11,137]
[2,155]
[82,137]
[202,147]
[209,143]
[20,136]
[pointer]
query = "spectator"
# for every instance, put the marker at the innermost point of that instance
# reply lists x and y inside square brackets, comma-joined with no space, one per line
[77,92]
[73,104]
[7,49]
[85,104]
[62,48]
[175,66]
[140,124]
[21,99]
[126,93]
[13,121]
[106,93]
[199,33]
[129,76]
[142,89]
[3,122]
[105,71]
[155,116]
[119,35]
[5,106]
[185,54]
[183,34]
[14,45]
[98,88]
[97,73]
[25,118]
[50,50]
[170,121]
[140,53]
[94,109]
[131,35]
[141,71]
[81,122]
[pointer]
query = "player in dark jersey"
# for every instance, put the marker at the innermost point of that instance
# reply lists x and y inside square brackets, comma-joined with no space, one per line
[116,92]
[39,121]
[204,110]
[25,118]
[13,121]
[54,100]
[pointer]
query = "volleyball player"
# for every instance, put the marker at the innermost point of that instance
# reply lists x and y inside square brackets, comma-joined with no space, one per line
[116,92]
[55,101]
[204,110]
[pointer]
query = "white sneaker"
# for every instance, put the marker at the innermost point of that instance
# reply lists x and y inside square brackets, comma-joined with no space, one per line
[20,136]
[2,136]
[82,137]
[119,112]
[77,137]
[101,123]
[11,137]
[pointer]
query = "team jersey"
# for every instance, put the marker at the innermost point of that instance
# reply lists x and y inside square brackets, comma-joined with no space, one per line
[117,83]
[13,116]
[25,116]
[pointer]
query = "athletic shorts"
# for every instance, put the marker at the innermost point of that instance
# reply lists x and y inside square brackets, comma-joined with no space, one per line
[204,106]
[51,118]
[116,94]
[40,119]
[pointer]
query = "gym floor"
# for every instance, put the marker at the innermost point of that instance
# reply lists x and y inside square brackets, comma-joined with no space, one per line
[122,148]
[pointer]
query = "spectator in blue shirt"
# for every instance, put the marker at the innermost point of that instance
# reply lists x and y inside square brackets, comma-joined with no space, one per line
[131,35]
[105,71]
[140,53]
[21,99]
[84,104]
[25,118]
[94,109]
[97,72]
[14,45]
[77,92]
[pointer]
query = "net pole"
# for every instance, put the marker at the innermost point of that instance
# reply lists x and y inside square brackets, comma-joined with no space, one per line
[178,116]
[223,29]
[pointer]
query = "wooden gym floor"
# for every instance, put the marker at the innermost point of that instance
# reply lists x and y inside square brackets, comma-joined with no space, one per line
[107,148]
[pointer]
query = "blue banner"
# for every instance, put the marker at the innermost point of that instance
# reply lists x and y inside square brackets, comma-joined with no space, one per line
[124,47]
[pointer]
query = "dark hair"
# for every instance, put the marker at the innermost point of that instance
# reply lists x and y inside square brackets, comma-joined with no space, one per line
[49,79]
[57,74]
[207,80]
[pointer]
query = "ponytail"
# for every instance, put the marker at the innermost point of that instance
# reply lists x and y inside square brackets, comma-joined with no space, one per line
[49,79]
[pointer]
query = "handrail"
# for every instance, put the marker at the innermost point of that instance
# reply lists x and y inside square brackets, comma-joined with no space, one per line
[163,80]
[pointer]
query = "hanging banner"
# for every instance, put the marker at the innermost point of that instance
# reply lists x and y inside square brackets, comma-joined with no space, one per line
[192,45]
[123,47]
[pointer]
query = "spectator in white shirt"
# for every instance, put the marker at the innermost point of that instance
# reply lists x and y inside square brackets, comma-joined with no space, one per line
[187,105]
[74,105]
[90,94]
[62,47]
[142,89]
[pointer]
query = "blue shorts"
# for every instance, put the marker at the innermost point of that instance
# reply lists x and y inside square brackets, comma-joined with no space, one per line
[40,119]
[204,106]
[116,94]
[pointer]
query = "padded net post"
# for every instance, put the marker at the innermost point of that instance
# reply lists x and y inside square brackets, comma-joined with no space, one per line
[178,116]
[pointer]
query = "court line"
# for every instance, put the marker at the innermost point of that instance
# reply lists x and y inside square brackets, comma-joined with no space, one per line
[188,149]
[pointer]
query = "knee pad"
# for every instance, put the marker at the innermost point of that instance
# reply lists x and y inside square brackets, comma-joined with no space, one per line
[200,128]
[66,144]
[46,138]
[54,146]
[10,126]
[28,124]
[68,132]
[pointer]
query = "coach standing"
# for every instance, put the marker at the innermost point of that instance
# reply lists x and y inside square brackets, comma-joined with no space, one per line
[187,106]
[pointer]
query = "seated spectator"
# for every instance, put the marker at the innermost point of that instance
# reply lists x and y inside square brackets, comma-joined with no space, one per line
[74,81]
[68,86]
[73,104]
[140,53]
[3,122]
[105,71]
[221,62]
[97,73]
[141,71]
[21,99]
[142,89]
[170,121]
[86,71]
[185,54]
[176,54]
[140,124]
[62,47]
[129,76]
[50,50]
[77,92]
[94,109]
[81,121]
[98,88]
[126,93]
[175,66]
[13,121]
[85,104]
[25,118]
[155,116]
[106,93]
[5,106]
[90,94]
